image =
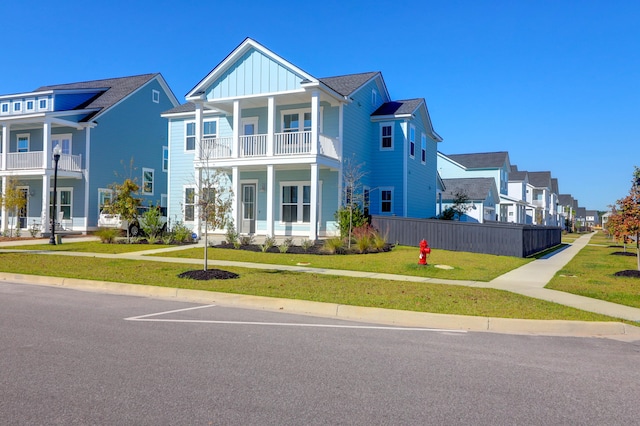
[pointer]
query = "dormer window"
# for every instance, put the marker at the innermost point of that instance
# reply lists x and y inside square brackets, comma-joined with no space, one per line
[42,104]
[5,108]
[30,105]
[17,106]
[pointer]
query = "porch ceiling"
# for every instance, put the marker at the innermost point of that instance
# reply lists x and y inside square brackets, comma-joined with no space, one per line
[261,101]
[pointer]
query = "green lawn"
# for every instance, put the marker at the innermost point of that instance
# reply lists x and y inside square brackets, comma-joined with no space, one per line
[90,247]
[422,297]
[401,260]
[590,273]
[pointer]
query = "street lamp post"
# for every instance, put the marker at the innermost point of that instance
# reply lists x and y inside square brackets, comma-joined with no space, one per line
[56,157]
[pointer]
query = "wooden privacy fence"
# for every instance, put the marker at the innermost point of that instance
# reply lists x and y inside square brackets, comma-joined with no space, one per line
[507,239]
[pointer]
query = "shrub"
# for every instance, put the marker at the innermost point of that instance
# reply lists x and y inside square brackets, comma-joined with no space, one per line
[269,242]
[247,240]
[232,234]
[333,245]
[107,235]
[344,217]
[284,247]
[306,244]
[34,229]
[181,233]
[152,223]
[378,241]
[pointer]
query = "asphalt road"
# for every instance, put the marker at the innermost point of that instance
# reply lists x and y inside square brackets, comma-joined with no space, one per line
[72,357]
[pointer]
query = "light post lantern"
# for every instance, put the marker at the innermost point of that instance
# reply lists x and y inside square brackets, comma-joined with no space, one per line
[56,157]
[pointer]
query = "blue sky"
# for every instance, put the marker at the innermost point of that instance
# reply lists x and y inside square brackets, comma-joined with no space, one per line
[554,83]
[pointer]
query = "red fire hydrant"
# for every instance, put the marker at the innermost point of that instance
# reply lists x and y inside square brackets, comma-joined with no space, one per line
[424,252]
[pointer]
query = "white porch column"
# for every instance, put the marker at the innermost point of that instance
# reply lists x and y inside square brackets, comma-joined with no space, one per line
[44,214]
[47,149]
[313,217]
[237,198]
[6,131]
[5,224]
[235,149]
[315,121]
[271,124]
[196,201]
[85,173]
[198,130]
[270,198]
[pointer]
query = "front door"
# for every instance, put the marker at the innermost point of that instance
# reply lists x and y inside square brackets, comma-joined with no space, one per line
[250,146]
[248,191]
[22,213]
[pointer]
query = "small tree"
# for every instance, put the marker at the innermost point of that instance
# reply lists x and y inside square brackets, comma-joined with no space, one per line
[124,202]
[629,210]
[214,201]
[13,200]
[352,199]
[460,203]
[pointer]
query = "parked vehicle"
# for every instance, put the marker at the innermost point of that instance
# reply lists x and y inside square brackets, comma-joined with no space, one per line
[110,220]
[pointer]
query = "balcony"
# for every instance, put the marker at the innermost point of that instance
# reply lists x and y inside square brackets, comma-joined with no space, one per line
[33,161]
[256,146]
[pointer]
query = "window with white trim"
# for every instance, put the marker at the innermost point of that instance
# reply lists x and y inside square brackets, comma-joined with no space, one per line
[5,108]
[423,148]
[366,199]
[147,181]
[105,196]
[23,143]
[210,129]
[386,136]
[64,141]
[165,158]
[155,96]
[189,204]
[64,202]
[412,141]
[374,97]
[42,104]
[295,202]
[30,105]
[386,200]
[296,121]
[17,106]
[190,136]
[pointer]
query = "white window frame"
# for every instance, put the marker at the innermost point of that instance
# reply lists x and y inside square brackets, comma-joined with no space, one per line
[382,126]
[60,139]
[192,203]
[146,170]
[300,112]
[412,141]
[300,202]
[384,189]
[210,135]
[4,108]
[40,107]
[423,148]
[155,96]
[103,194]
[17,106]
[165,158]
[22,135]
[59,203]
[374,97]
[186,136]
[33,105]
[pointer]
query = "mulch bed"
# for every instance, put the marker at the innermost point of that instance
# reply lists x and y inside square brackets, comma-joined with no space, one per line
[315,249]
[623,253]
[630,273]
[209,274]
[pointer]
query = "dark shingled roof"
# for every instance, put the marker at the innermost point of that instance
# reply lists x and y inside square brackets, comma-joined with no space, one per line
[477,189]
[188,107]
[517,176]
[398,107]
[540,179]
[483,160]
[347,84]
[115,89]
[565,199]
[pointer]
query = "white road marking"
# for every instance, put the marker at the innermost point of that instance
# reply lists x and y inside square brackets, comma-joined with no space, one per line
[148,318]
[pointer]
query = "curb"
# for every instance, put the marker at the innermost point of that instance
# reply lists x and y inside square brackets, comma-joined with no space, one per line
[345,312]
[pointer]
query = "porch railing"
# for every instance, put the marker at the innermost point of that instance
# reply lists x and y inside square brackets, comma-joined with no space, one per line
[329,146]
[212,148]
[253,146]
[33,160]
[292,143]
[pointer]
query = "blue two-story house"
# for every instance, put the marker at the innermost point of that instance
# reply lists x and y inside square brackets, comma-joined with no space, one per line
[107,130]
[282,137]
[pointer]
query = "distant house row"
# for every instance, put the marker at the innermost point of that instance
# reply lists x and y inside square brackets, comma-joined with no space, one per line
[283,137]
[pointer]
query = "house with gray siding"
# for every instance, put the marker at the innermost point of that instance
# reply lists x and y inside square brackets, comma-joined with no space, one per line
[107,130]
[283,137]
[481,198]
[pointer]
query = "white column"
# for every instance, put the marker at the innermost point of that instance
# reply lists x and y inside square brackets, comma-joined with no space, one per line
[315,121]
[313,217]
[235,209]
[271,124]
[44,215]
[198,129]
[196,201]
[340,130]
[6,131]
[46,146]
[86,174]
[4,224]
[235,149]
[270,198]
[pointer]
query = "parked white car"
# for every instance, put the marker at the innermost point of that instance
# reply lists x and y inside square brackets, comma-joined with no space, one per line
[109,220]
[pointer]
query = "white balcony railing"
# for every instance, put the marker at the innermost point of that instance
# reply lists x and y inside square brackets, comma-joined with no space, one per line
[253,146]
[288,143]
[292,143]
[33,160]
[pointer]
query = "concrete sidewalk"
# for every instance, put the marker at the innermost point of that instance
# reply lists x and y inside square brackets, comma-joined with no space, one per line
[528,280]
